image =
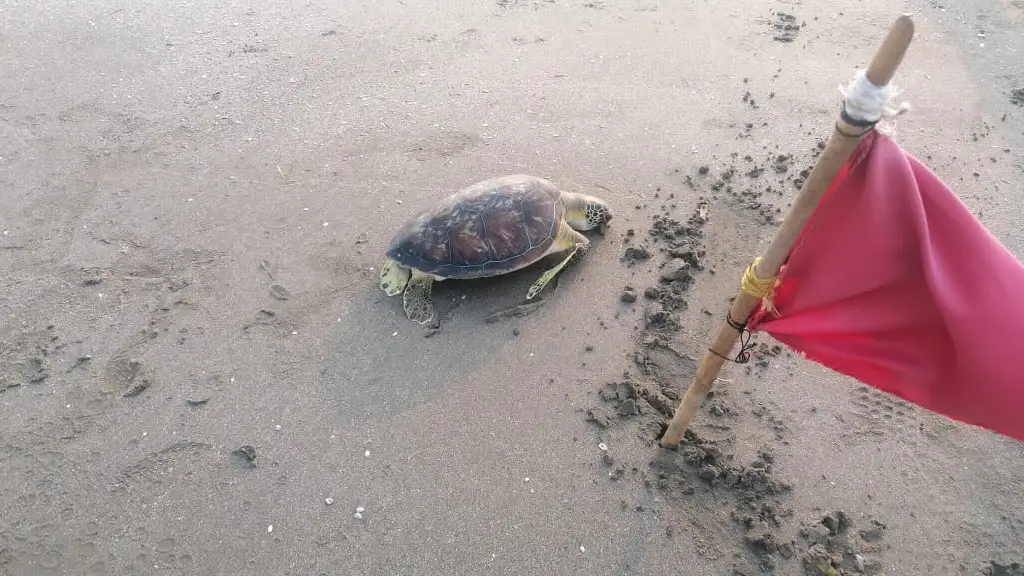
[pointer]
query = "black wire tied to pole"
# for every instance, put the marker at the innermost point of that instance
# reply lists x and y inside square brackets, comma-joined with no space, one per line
[743,356]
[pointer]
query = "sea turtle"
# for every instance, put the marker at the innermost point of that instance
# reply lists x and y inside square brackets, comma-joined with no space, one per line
[489,228]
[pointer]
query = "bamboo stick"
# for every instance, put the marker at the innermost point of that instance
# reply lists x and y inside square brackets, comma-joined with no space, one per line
[837,151]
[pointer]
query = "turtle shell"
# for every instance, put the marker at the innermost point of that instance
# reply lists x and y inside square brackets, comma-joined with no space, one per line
[488,228]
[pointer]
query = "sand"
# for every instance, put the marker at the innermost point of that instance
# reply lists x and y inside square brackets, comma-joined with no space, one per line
[199,374]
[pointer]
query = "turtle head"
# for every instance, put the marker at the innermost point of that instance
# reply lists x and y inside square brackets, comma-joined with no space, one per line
[599,214]
[393,277]
[585,212]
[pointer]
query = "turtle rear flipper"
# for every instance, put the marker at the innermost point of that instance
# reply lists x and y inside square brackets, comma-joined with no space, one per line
[418,302]
[393,277]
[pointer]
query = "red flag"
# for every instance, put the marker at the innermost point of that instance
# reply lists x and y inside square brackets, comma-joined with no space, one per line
[895,283]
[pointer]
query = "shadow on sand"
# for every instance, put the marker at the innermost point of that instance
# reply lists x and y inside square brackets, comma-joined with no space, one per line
[382,364]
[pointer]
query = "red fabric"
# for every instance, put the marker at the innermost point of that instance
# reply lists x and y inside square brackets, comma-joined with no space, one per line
[895,283]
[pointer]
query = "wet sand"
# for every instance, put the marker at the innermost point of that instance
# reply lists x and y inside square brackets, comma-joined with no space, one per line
[196,201]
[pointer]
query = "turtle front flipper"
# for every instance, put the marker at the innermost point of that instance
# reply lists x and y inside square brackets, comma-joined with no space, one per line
[568,239]
[419,304]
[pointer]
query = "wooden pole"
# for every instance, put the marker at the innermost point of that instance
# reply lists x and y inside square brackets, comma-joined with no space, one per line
[843,142]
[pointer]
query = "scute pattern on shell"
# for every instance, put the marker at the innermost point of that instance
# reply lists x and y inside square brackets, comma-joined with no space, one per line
[492,227]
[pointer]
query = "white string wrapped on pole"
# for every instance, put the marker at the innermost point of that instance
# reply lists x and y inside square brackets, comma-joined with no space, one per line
[868,104]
